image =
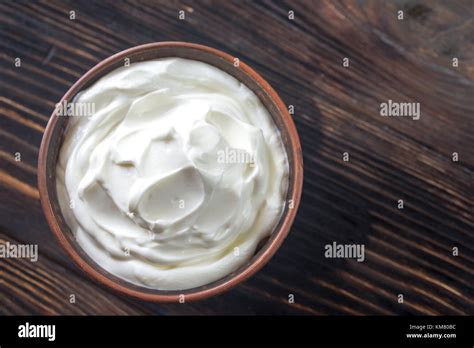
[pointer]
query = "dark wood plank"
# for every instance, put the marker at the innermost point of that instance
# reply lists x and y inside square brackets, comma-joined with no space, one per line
[408,251]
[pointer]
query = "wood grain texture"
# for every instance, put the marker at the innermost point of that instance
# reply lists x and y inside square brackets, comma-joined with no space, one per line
[408,251]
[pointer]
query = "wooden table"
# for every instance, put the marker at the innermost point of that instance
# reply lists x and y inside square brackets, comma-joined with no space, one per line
[408,251]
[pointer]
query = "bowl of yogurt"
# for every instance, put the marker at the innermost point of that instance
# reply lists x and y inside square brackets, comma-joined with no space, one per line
[170,172]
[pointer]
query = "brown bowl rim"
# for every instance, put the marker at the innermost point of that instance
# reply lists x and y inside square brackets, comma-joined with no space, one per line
[257,262]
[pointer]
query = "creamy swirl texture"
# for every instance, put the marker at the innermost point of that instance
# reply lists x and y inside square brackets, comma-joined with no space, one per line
[175,178]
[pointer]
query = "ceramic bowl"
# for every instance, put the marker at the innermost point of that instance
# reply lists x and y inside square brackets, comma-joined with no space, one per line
[53,138]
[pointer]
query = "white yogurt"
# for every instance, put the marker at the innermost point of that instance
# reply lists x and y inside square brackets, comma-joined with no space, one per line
[176,177]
